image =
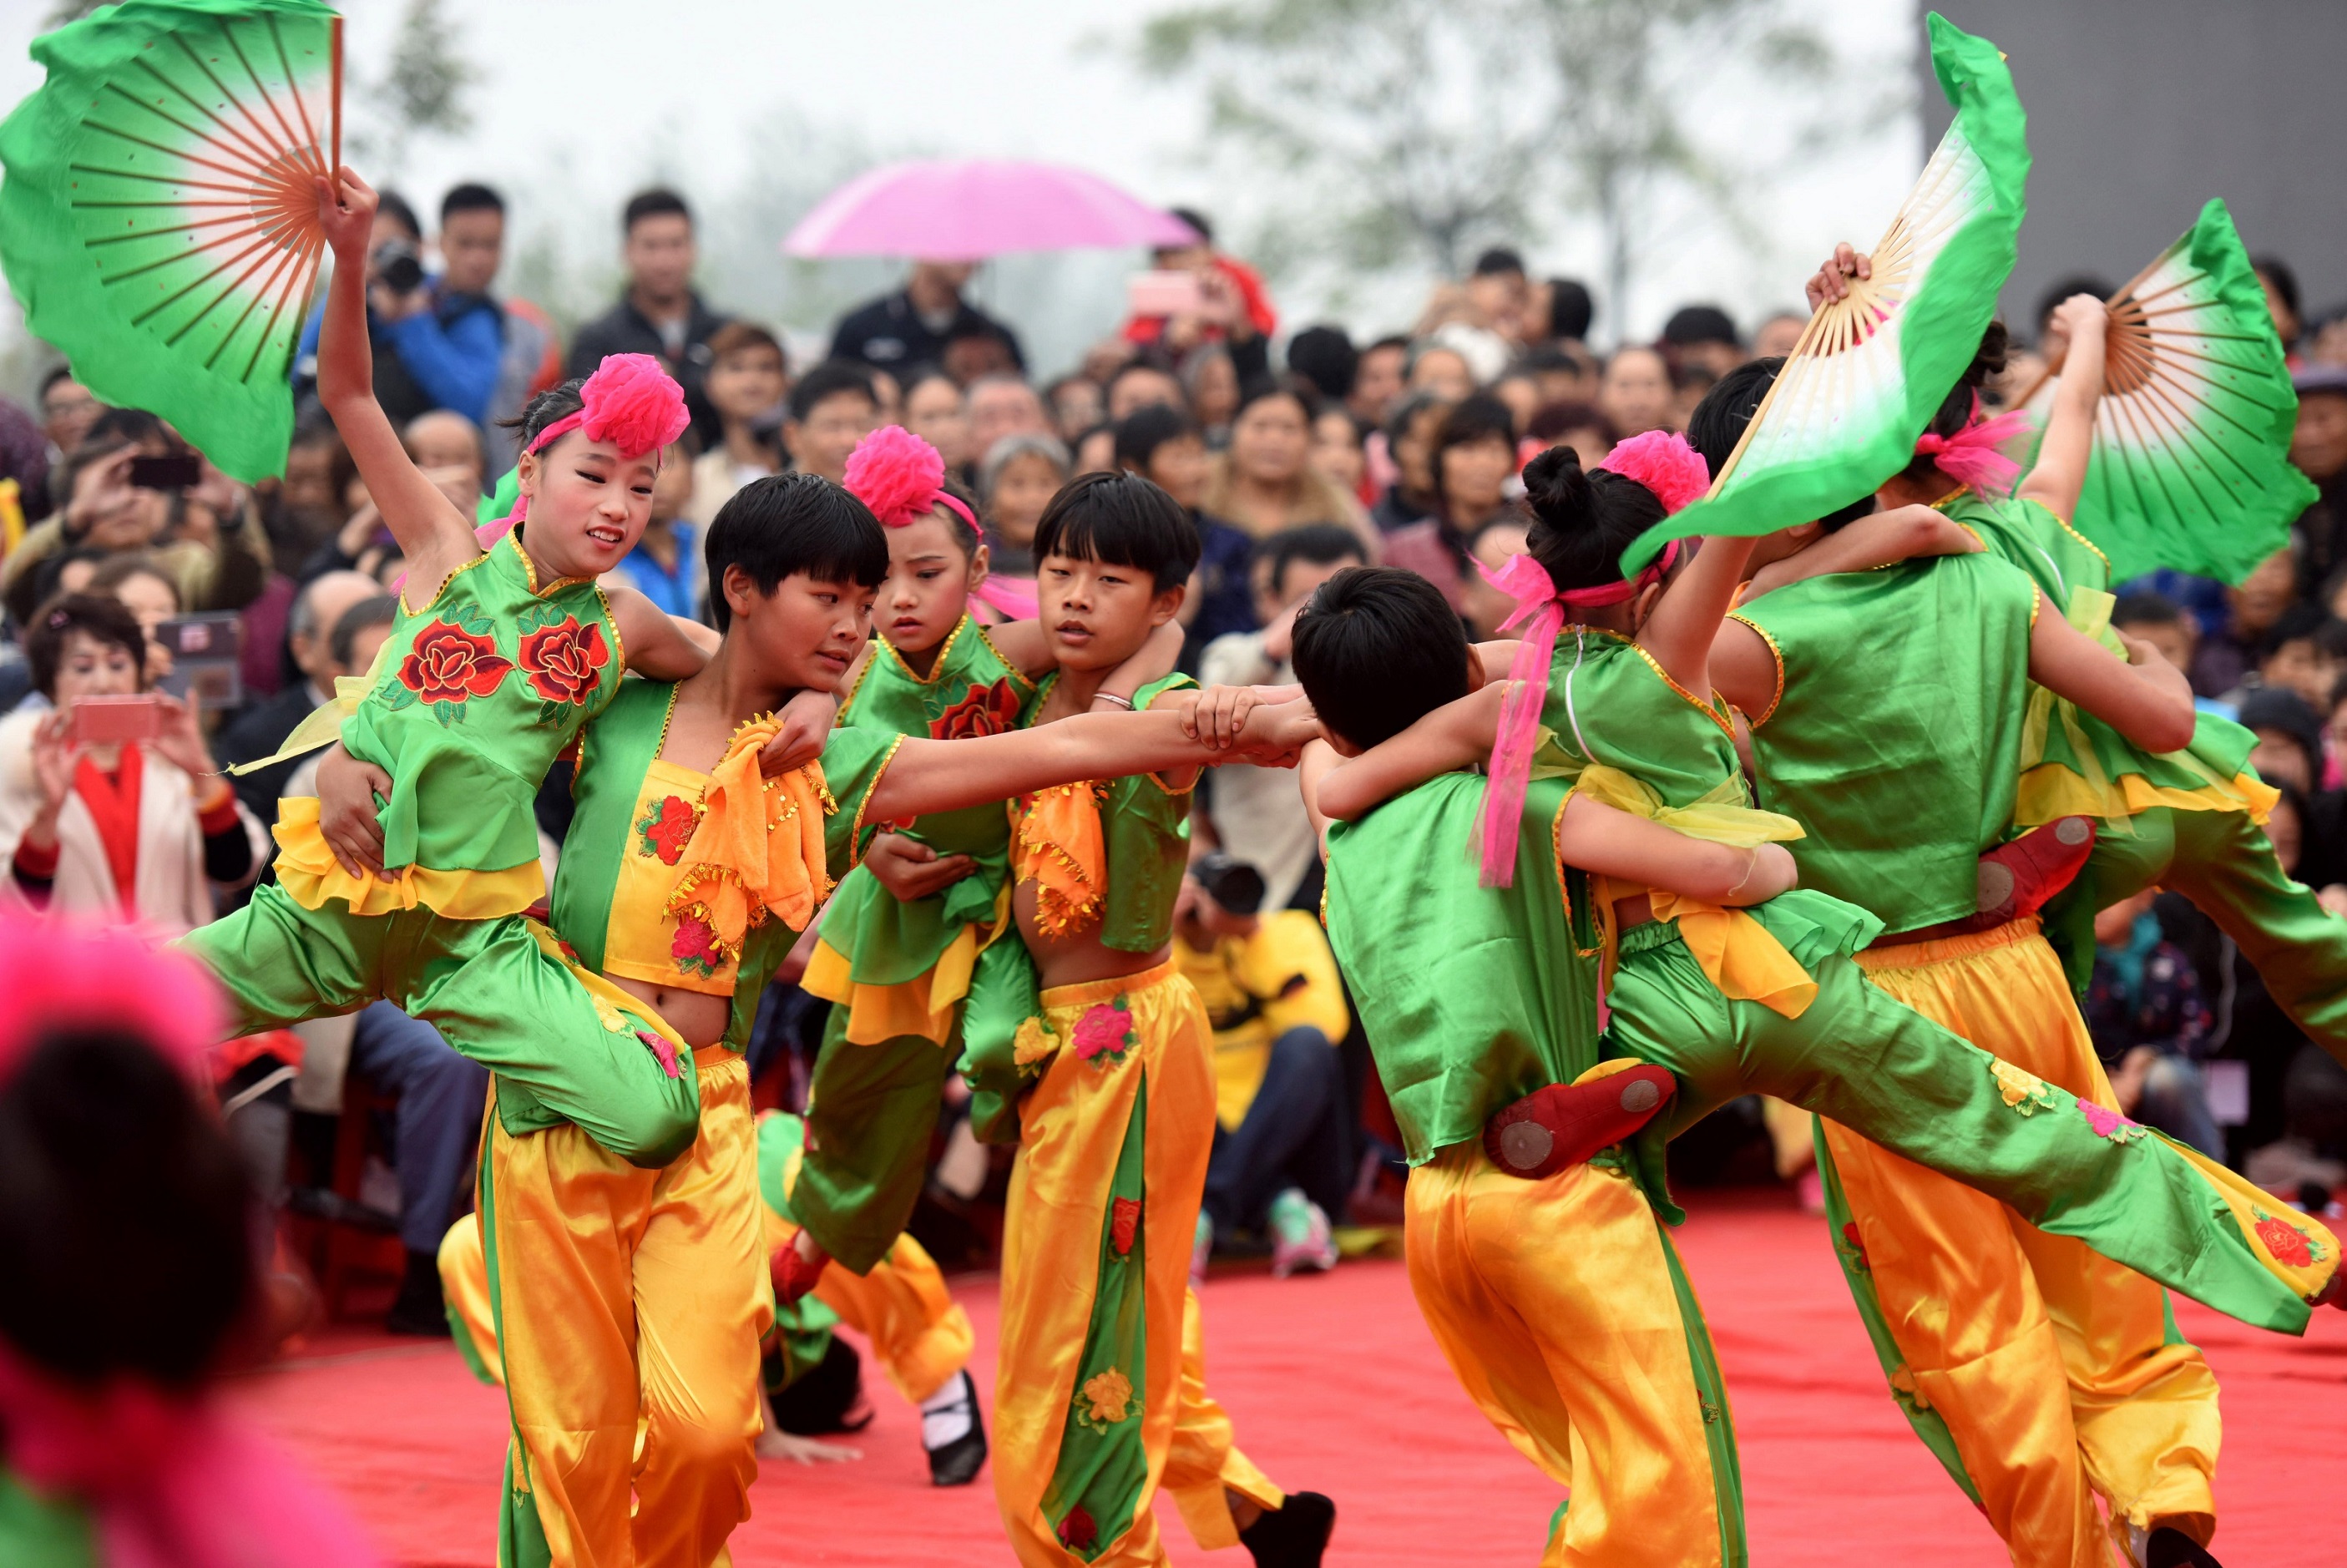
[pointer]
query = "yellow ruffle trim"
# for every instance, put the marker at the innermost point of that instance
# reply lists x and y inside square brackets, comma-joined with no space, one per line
[922,1006]
[2052,790]
[759,845]
[1057,844]
[1735,952]
[311,875]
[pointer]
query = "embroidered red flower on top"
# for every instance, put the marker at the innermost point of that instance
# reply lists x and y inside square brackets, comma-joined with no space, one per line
[987,710]
[667,827]
[2285,1241]
[561,660]
[695,948]
[447,663]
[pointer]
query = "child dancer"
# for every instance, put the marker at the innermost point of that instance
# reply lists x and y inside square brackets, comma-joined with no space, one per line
[2061,1376]
[481,684]
[1109,1089]
[627,1305]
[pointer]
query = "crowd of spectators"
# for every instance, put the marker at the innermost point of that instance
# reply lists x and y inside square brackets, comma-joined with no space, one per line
[1294,462]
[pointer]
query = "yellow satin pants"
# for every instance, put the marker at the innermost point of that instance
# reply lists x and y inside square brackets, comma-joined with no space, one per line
[918,1332]
[1074,1122]
[623,1309]
[2055,1369]
[1554,1305]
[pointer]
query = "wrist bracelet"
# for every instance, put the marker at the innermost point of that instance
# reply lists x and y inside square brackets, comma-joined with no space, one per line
[1123,702]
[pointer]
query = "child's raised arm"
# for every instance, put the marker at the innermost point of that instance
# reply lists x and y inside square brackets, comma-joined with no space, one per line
[1883,539]
[2145,698]
[1455,735]
[2060,471]
[1679,633]
[436,537]
[661,646]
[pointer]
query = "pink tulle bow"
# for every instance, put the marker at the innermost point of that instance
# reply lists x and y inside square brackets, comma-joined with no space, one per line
[897,474]
[633,403]
[171,1481]
[1662,462]
[1540,614]
[1974,456]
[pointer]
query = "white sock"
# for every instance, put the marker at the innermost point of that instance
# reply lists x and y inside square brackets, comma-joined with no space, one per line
[947,1415]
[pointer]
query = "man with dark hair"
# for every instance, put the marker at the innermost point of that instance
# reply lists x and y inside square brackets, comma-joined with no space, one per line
[658,314]
[1378,378]
[913,325]
[1325,356]
[1702,337]
[834,406]
[1570,309]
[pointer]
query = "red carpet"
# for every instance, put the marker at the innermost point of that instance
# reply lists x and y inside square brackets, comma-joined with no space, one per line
[1336,1387]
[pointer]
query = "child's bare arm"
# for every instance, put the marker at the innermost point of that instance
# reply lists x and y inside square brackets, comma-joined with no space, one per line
[1884,538]
[658,646]
[1609,843]
[1153,661]
[1497,656]
[1453,736]
[1320,760]
[1023,647]
[2145,698]
[1679,631]
[436,537]
[2060,472]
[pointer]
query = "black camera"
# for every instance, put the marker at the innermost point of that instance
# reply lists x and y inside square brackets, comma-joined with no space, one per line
[1235,886]
[399,266]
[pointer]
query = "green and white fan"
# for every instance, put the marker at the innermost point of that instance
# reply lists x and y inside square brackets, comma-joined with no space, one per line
[2190,465]
[1871,368]
[158,220]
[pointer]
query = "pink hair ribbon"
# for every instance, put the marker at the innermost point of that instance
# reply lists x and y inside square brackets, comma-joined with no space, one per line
[1539,610]
[901,476]
[1974,456]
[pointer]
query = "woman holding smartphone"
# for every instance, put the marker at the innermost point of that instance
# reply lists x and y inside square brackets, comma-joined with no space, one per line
[110,803]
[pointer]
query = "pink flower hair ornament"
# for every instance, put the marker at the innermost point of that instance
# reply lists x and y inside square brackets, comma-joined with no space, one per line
[1974,456]
[1665,464]
[631,402]
[902,478]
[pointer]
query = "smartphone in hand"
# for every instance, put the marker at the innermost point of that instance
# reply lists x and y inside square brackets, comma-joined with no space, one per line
[112,721]
[178,473]
[1164,294]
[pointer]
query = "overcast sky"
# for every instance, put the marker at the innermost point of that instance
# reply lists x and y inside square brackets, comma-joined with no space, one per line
[581,100]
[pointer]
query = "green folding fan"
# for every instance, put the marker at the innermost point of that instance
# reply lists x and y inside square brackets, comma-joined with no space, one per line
[159,222]
[2190,465]
[1871,368]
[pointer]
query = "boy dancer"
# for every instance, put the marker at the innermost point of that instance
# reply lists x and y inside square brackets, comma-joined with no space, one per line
[625,1299]
[1109,1089]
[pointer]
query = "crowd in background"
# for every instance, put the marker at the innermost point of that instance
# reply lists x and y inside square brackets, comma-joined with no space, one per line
[1297,452]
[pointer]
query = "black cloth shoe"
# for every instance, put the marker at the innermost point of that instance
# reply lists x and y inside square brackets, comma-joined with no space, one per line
[1293,1535]
[2168,1547]
[418,1309]
[828,1397]
[958,1461]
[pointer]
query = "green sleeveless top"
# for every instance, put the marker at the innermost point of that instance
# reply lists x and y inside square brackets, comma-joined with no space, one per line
[1472,997]
[972,691]
[478,691]
[1145,839]
[1894,739]
[2075,575]
[1608,702]
[608,831]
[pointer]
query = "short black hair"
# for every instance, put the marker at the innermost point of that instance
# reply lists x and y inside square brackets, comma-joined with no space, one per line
[470,197]
[1700,323]
[789,523]
[1570,308]
[652,203]
[1195,220]
[2061,289]
[1377,649]
[1499,260]
[1325,356]
[1121,519]
[123,1214]
[1155,365]
[54,373]
[1141,433]
[1316,544]
[1718,425]
[380,610]
[391,204]
[2300,622]
[2281,276]
[829,379]
[2147,610]
[97,616]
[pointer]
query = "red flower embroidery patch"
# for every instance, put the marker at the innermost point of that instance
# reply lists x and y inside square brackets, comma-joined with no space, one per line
[561,660]
[695,948]
[666,828]
[1105,1030]
[2285,1241]
[1123,1220]
[1077,1532]
[987,710]
[448,665]
[2109,1124]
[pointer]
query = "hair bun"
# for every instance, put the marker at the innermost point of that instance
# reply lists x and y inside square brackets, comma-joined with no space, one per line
[1556,488]
[1990,360]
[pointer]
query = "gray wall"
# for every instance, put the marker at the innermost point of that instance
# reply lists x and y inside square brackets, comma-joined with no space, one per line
[2140,110]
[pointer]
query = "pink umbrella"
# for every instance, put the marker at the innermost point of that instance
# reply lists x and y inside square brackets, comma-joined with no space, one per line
[965,210]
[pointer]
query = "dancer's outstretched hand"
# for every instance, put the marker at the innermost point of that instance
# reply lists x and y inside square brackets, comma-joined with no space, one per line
[347,789]
[1831,281]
